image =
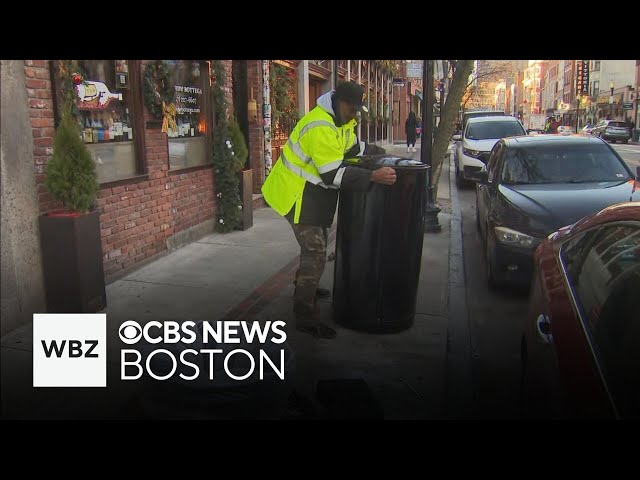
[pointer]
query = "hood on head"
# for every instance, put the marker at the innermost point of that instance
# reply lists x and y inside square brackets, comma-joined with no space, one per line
[324,102]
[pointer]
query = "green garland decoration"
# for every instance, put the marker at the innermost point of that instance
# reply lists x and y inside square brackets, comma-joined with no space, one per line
[157,87]
[226,163]
[281,85]
[67,69]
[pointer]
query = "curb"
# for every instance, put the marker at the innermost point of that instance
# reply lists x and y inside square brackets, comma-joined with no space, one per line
[458,373]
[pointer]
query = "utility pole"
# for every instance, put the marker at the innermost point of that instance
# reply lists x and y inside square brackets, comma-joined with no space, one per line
[431,224]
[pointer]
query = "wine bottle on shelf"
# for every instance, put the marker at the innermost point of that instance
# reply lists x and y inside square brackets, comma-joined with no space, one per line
[192,125]
[94,128]
[129,125]
[107,126]
[125,128]
[112,132]
[117,126]
[88,131]
[100,128]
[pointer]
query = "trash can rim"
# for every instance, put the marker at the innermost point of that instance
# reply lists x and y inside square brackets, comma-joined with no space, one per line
[390,160]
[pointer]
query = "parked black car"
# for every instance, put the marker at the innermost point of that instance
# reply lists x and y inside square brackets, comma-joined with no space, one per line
[534,185]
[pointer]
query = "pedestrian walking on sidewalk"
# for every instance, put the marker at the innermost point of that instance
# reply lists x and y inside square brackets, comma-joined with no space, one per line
[303,187]
[410,126]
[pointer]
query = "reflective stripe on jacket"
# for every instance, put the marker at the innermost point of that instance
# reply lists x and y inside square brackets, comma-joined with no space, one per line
[315,147]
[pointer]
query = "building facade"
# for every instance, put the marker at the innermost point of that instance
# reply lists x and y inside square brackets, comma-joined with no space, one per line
[157,190]
[605,75]
[530,100]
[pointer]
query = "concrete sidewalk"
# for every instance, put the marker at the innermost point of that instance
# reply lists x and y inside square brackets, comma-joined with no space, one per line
[247,275]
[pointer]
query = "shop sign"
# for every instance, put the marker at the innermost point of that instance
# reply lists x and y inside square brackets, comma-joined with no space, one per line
[583,77]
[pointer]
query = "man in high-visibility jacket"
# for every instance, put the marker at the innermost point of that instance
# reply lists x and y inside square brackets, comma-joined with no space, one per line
[303,187]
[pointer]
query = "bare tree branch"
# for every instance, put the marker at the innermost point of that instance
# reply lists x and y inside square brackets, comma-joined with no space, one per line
[448,117]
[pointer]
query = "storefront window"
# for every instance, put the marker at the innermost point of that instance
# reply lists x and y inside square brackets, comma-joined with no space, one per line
[106,113]
[189,143]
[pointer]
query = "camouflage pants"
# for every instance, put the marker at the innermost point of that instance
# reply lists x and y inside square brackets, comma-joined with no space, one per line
[313,254]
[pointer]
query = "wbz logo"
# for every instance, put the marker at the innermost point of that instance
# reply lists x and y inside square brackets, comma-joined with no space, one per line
[69,350]
[75,348]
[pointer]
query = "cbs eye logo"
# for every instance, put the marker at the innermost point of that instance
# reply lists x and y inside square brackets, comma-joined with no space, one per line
[130,332]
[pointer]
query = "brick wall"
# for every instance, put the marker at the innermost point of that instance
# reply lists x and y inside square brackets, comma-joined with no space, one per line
[40,96]
[256,134]
[139,216]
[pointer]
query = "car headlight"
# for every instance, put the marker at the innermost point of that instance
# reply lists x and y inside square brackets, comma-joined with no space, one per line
[471,153]
[518,239]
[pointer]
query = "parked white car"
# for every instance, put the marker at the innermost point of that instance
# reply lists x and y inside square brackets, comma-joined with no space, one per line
[566,130]
[473,147]
[587,129]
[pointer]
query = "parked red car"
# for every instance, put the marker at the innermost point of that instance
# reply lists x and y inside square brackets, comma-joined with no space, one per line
[581,342]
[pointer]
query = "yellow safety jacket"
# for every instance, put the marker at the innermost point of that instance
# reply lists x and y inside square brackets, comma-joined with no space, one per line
[315,149]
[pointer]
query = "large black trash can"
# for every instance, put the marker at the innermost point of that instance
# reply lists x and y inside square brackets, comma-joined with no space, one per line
[379,248]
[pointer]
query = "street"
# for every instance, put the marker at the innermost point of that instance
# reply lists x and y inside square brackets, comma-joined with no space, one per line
[629,153]
[495,317]
[495,326]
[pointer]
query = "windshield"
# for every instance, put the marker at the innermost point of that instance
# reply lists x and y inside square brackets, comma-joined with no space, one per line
[493,130]
[617,124]
[467,116]
[562,164]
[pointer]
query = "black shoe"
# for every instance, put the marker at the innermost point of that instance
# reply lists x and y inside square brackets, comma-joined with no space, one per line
[322,292]
[318,330]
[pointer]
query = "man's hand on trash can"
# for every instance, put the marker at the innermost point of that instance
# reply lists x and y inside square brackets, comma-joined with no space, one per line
[384,175]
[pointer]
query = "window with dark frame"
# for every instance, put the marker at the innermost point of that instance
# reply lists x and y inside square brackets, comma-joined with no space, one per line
[493,166]
[107,116]
[190,143]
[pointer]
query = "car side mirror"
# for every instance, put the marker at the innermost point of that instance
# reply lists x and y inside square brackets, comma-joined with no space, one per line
[481,177]
[457,138]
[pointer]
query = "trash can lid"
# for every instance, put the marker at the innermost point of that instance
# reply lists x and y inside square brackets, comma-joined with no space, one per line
[386,160]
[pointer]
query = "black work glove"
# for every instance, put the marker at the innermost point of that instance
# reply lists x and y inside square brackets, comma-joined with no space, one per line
[353,151]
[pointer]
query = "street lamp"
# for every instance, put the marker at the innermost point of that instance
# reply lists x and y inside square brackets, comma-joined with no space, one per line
[611,86]
[431,224]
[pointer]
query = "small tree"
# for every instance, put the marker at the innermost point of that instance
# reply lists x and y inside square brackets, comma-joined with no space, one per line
[71,172]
